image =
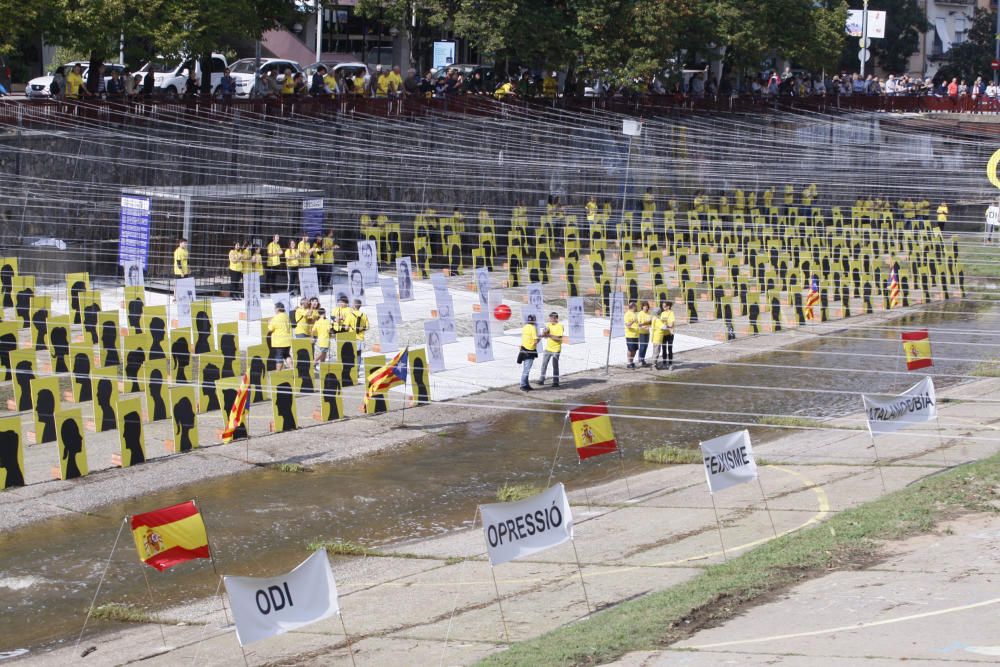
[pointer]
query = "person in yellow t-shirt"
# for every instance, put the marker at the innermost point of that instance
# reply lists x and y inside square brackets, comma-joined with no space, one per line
[360,323]
[643,321]
[181,260]
[359,84]
[592,209]
[305,252]
[274,253]
[292,266]
[235,270]
[74,84]
[942,216]
[553,335]
[664,326]
[280,330]
[288,83]
[303,326]
[631,333]
[529,350]
[246,259]
[395,81]
[326,267]
[382,83]
[321,329]
[343,319]
[257,263]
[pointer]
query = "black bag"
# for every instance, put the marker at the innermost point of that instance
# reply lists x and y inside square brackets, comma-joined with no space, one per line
[526,354]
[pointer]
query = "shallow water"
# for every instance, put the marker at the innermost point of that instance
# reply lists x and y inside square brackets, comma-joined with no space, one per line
[260,521]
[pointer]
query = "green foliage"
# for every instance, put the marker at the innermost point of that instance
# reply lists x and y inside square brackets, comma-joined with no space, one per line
[905,24]
[972,57]
[510,492]
[668,454]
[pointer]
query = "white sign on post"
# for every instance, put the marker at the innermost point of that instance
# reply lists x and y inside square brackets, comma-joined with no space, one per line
[435,349]
[855,23]
[617,314]
[520,529]
[368,261]
[482,337]
[404,274]
[388,287]
[916,405]
[445,314]
[443,54]
[308,283]
[251,296]
[483,287]
[577,329]
[728,461]
[269,606]
[388,329]
[184,294]
[133,273]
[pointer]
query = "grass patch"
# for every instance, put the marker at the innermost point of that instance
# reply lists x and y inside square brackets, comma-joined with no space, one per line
[987,369]
[343,548]
[122,613]
[849,539]
[290,467]
[668,454]
[509,493]
[797,422]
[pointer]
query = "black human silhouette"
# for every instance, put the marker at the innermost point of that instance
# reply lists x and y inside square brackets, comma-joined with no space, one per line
[45,412]
[24,374]
[40,322]
[823,306]
[331,392]
[203,333]
[454,258]
[228,400]
[533,275]
[183,424]
[800,313]
[133,364]
[754,314]
[159,404]
[420,379]
[866,293]
[7,285]
[8,343]
[347,357]
[633,289]
[10,449]
[904,289]
[209,374]
[90,321]
[134,315]
[379,404]
[23,306]
[573,290]
[727,314]
[157,334]
[59,337]
[257,370]
[227,346]
[283,401]
[181,356]
[543,264]
[132,437]
[109,343]
[692,307]
[303,366]
[776,313]
[514,271]
[72,442]
[74,299]
[606,295]
[105,390]
[81,375]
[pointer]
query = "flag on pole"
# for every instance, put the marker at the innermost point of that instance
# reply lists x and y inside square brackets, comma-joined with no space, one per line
[237,414]
[894,301]
[592,430]
[388,376]
[170,536]
[812,298]
[917,346]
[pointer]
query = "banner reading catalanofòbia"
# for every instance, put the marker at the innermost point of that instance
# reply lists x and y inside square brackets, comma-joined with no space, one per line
[916,405]
[265,607]
[522,528]
[728,461]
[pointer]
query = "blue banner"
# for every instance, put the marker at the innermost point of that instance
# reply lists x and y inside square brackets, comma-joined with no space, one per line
[133,231]
[312,217]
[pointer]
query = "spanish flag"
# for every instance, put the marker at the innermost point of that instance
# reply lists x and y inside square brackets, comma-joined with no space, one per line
[237,415]
[917,346]
[170,536]
[592,430]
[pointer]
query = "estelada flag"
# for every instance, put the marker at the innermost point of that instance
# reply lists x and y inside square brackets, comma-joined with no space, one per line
[388,376]
[592,430]
[917,346]
[170,536]
[238,412]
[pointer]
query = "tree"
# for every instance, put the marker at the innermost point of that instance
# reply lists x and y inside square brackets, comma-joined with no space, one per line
[905,24]
[973,57]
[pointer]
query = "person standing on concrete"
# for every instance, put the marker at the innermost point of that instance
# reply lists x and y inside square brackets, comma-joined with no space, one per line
[553,335]
[529,351]
[631,333]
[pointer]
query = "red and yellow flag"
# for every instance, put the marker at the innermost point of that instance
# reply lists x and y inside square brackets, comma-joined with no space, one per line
[917,346]
[170,536]
[592,430]
[237,415]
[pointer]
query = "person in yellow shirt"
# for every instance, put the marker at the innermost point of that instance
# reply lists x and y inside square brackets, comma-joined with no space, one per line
[235,270]
[303,325]
[181,260]
[664,325]
[321,329]
[257,263]
[343,318]
[360,324]
[553,335]
[305,252]
[326,268]
[592,209]
[529,350]
[643,320]
[359,84]
[631,333]
[246,259]
[288,83]
[395,82]
[292,265]
[382,83]
[504,89]
[75,87]
[274,254]
[280,330]
[942,216]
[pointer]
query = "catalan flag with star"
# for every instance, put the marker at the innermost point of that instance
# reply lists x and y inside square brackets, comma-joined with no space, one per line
[812,298]
[170,536]
[237,415]
[917,346]
[592,430]
[393,373]
[894,301]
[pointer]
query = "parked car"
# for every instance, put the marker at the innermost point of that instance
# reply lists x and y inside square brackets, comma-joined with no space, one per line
[244,71]
[38,88]
[170,77]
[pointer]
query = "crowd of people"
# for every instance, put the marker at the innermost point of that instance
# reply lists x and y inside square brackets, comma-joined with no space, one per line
[311,321]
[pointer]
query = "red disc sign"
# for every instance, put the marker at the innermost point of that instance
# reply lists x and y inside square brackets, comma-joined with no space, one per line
[995,64]
[502,312]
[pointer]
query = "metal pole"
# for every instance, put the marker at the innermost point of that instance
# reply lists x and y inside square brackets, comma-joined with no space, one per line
[996,51]
[864,38]
[614,284]
[319,32]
